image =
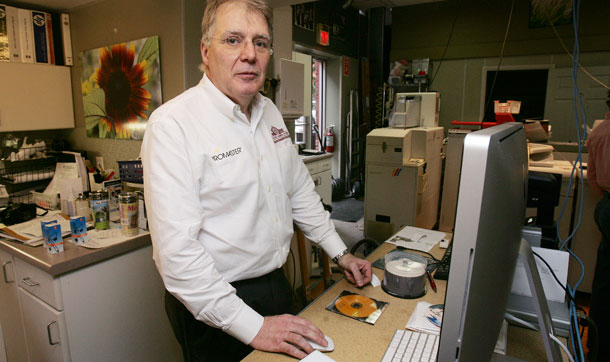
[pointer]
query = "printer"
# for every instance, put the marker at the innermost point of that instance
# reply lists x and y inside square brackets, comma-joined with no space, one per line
[403,168]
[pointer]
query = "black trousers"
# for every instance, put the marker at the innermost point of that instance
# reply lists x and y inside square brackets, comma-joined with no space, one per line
[600,294]
[268,295]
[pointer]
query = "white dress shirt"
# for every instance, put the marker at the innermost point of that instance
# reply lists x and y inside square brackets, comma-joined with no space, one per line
[221,195]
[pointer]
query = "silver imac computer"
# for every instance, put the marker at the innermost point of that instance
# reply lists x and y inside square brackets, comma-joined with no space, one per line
[487,236]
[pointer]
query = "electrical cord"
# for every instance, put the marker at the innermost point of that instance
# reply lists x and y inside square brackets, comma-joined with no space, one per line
[555,276]
[591,322]
[532,326]
[457,7]
[571,56]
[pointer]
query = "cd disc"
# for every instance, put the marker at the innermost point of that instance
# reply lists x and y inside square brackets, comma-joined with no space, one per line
[358,306]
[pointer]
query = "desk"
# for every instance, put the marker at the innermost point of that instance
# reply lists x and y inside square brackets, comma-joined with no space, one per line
[357,341]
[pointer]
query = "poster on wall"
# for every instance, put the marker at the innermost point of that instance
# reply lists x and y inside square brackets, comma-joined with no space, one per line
[550,12]
[121,87]
[302,15]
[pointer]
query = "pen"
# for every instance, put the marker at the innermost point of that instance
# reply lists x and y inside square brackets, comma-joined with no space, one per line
[432,283]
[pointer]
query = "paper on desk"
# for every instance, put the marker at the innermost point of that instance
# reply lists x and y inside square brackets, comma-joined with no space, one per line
[416,238]
[420,322]
[558,260]
[30,233]
[97,239]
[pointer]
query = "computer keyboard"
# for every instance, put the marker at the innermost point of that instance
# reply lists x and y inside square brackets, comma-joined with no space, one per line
[411,346]
[442,271]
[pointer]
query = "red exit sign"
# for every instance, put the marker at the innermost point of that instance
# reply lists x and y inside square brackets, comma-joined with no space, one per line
[323,35]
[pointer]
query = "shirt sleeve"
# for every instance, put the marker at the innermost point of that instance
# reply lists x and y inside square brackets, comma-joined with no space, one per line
[308,212]
[591,166]
[175,219]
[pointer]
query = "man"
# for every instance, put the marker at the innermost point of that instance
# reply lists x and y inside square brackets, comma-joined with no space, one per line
[598,176]
[223,187]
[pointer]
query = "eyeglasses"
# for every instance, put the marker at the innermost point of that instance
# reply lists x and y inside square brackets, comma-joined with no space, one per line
[238,43]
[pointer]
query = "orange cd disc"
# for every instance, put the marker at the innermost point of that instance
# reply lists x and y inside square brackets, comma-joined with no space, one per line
[353,305]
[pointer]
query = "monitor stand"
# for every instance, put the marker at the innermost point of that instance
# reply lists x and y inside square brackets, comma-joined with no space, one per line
[551,348]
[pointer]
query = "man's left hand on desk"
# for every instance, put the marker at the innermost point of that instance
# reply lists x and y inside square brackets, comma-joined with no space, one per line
[357,271]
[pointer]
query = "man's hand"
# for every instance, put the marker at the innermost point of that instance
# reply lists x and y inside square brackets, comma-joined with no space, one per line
[356,270]
[286,333]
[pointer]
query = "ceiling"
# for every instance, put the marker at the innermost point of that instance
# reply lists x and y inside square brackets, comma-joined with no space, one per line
[63,5]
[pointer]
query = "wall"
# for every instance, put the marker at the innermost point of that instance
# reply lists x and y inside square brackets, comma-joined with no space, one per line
[331,13]
[114,21]
[422,31]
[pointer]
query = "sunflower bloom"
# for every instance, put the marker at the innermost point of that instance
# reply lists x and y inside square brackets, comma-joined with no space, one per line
[122,82]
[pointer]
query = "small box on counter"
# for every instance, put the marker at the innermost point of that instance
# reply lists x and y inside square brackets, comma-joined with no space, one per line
[78,229]
[53,240]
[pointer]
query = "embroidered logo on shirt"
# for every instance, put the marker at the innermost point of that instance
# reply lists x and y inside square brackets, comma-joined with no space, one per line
[279,134]
[221,156]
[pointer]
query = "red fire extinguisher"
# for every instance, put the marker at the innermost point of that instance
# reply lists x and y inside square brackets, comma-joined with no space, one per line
[330,140]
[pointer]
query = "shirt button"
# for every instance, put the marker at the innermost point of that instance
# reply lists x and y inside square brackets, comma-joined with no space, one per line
[268,188]
[276,219]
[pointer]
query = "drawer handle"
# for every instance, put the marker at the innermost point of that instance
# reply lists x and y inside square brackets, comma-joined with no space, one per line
[4,271]
[29,282]
[49,334]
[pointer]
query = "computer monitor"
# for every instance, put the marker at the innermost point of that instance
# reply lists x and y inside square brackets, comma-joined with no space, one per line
[490,214]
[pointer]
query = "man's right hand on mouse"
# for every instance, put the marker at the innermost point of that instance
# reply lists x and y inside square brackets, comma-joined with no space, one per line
[286,334]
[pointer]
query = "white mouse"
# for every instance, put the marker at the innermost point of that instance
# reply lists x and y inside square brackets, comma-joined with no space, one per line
[329,348]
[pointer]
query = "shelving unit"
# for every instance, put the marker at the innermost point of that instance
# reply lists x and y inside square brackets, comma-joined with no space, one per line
[22,177]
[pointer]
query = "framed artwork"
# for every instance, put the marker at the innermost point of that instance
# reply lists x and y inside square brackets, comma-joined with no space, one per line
[121,87]
[303,15]
[550,12]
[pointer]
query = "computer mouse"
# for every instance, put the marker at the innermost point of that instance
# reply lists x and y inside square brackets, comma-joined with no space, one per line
[329,348]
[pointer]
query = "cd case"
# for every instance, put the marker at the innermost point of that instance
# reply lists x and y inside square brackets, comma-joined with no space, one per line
[358,307]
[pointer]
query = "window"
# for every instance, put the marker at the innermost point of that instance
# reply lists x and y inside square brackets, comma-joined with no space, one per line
[525,85]
[318,87]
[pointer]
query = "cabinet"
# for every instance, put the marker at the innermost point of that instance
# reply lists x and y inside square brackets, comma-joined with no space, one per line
[35,97]
[320,171]
[13,337]
[112,310]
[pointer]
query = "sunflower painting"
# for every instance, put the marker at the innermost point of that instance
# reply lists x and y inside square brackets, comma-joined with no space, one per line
[121,86]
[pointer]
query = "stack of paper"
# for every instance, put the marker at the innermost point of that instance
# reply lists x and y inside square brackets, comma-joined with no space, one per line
[414,238]
[30,232]
[420,320]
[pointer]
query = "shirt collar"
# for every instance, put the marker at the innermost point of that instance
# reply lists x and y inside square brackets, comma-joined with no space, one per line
[225,105]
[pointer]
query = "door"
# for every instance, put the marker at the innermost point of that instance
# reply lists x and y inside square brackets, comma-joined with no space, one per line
[12,333]
[45,330]
[559,109]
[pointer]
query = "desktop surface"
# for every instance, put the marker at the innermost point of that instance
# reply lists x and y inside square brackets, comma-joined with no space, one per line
[358,341]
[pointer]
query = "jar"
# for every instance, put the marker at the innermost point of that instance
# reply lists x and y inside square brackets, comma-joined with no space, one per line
[100,210]
[81,204]
[128,208]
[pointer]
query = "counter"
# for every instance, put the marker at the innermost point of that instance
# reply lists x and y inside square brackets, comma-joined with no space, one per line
[84,304]
[73,257]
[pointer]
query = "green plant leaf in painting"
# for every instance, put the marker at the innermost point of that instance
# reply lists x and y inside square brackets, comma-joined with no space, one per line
[94,108]
[149,49]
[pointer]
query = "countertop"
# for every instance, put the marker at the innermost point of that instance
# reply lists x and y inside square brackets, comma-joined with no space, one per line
[312,158]
[73,257]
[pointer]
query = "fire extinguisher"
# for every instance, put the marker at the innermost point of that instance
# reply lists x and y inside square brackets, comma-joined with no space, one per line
[330,140]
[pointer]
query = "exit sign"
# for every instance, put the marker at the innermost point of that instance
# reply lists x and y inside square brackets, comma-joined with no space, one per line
[323,37]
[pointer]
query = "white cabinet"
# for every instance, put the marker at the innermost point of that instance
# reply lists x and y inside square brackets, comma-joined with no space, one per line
[35,97]
[13,339]
[292,93]
[112,310]
[45,328]
[321,175]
